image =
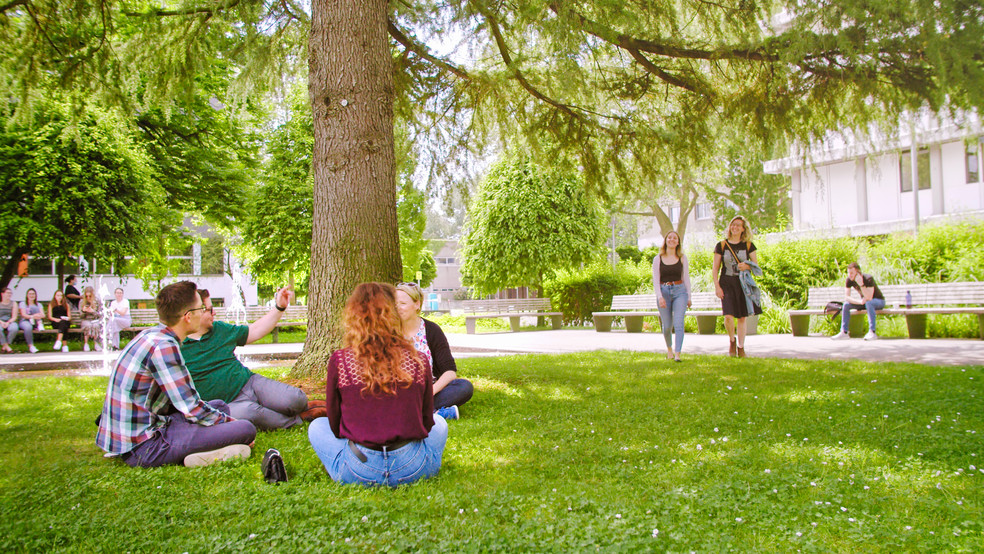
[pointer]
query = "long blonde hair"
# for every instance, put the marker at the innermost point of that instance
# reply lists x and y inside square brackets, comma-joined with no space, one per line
[746,234]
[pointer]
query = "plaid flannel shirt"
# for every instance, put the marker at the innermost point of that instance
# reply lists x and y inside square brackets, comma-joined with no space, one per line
[150,382]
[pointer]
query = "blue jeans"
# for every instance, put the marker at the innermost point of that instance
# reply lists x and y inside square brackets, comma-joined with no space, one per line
[455,393]
[676,307]
[872,306]
[417,460]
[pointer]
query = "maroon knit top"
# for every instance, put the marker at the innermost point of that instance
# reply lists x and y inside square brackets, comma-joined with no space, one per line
[380,419]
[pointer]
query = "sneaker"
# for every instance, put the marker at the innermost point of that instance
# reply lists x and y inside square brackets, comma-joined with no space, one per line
[272,467]
[33,349]
[840,336]
[65,348]
[231,452]
[85,347]
[448,412]
[871,336]
[98,346]
[57,345]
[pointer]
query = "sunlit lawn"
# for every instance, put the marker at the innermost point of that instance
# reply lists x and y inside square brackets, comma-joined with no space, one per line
[617,451]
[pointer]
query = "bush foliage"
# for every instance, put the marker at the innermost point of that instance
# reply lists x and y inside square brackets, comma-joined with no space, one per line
[579,292]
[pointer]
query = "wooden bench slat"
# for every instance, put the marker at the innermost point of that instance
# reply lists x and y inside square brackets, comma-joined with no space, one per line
[513,308]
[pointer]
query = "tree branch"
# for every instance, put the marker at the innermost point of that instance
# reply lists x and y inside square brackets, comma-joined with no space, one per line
[671,79]
[219,6]
[12,5]
[627,42]
[421,50]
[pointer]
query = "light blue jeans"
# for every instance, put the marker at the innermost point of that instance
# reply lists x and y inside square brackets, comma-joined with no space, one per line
[872,306]
[417,460]
[676,308]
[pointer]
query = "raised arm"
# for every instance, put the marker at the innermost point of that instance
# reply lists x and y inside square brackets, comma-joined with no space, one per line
[262,327]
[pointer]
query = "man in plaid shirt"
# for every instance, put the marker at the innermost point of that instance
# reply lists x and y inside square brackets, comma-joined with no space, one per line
[152,415]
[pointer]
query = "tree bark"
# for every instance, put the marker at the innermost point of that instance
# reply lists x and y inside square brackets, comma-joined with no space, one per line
[355,235]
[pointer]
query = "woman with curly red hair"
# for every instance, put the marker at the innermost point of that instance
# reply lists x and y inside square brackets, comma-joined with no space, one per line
[381,427]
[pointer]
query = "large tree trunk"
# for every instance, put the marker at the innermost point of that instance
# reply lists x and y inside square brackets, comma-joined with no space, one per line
[355,236]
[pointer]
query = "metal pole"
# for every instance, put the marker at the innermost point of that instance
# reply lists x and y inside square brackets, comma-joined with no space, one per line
[914,165]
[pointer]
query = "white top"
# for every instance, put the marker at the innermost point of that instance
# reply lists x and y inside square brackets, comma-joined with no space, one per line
[123,306]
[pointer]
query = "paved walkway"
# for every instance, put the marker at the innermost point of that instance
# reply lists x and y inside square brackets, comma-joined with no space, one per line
[928,351]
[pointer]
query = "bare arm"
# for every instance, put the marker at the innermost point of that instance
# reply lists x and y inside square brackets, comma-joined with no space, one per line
[262,327]
[444,380]
[715,272]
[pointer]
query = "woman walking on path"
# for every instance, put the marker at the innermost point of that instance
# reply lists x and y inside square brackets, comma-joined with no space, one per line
[671,281]
[90,316]
[731,257]
[9,312]
[450,391]
[60,316]
[381,427]
[32,316]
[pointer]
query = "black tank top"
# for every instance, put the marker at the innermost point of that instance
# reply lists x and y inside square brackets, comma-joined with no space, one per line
[670,273]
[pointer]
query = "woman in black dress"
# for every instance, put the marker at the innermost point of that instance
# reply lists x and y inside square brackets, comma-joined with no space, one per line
[730,257]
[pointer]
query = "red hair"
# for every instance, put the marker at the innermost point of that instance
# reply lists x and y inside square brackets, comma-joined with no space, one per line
[372,331]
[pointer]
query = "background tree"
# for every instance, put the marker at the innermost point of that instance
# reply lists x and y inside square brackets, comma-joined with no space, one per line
[528,222]
[747,190]
[74,185]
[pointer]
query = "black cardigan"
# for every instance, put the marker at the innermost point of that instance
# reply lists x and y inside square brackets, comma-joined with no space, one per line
[440,349]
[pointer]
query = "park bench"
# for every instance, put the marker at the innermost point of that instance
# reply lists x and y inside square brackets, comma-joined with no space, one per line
[513,308]
[927,298]
[704,306]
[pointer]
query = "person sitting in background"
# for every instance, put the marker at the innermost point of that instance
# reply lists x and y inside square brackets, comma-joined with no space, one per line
[381,427]
[60,316]
[219,375]
[9,312]
[152,414]
[119,311]
[90,319]
[31,318]
[869,297]
[71,293]
[450,391]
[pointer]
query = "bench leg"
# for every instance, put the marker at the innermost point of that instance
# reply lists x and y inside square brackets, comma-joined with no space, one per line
[800,325]
[514,323]
[917,325]
[276,334]
[603,323]
[556,321]
[633,323]
[470,325]
[859,324]
[706,324]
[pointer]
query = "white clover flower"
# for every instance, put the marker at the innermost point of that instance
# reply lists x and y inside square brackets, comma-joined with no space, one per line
[813,484]
[699,447]
[908,528]
[768,471]
[851,519]
[738,520]
[715,429]
[461,511]
[843,509]
[365,519]
[798,534]
[655,532]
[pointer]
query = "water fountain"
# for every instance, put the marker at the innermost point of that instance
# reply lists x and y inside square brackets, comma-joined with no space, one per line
[103,295]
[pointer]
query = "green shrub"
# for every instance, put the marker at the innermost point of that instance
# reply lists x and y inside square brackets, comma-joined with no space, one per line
[579,292]
[791,267]
[939,254]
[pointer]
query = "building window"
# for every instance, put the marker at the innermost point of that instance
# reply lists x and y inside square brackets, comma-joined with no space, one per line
[675,214]
[905,170]
[973,162]
[703,211]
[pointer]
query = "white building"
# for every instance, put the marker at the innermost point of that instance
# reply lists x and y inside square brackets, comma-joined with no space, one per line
[863,186]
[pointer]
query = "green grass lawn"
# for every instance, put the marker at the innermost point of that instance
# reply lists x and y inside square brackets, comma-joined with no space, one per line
[609,451]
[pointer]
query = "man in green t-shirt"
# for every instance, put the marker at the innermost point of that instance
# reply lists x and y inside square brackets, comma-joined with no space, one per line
[218,374]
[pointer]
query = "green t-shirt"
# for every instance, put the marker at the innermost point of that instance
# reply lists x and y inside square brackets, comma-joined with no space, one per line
[217,373]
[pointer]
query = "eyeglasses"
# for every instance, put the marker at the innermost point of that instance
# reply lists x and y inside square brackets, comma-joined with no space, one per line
[203,308]
[209,311]
[411,284]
